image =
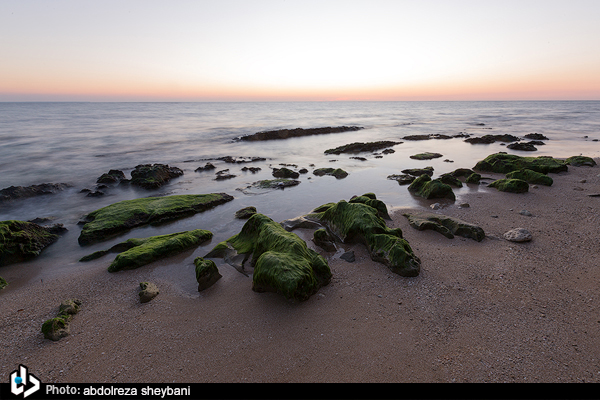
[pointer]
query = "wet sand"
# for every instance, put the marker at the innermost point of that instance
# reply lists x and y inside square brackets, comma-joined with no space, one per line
[490,311]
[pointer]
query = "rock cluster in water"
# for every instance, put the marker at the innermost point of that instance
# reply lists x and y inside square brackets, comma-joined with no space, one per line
[289,133]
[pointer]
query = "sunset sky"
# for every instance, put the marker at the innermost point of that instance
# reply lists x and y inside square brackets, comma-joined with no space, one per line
[272,50]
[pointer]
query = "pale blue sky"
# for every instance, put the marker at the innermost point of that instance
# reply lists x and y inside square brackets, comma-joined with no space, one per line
[299,50]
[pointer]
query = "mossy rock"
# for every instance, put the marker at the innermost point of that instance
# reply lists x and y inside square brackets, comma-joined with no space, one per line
[71,307]
[447,226]
[153,176]
[359,147]
[510,185]
[579,161]
[529,176]
[370,200]
[147,250]
[285,173]
[148,291]
[20,241]
[281,260]
[323,240]
[245,212]
[360,223]
[504,163]
[337,172]
[3,283]
[280,183]
[426,156]
[429,188]
[461,172]
[473,178]
[402,179]
[56,328]
[448,179]
[416,172]
[120,217]
[207,273]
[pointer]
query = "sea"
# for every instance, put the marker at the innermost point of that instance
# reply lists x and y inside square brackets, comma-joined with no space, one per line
[75,143]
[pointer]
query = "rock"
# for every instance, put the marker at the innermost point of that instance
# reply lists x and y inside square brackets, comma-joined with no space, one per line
[282,261]
[359,158]
[526,213]
[427,188]
[285,173]
[371,200]
[348,256]
[359,147]
[447,226]
[360,223]
[427,137]
[281,183]
[579,161]
[139,252]
[448,179]
[403,179]
[148,291]
[337,172]
[3,283]
[299,223]
[435,206]
[120,217]
[530,176]
[288,133]
[153,176]
[113,176]
[504,163]
[20,192]
[510,185]
[473,178]
[207,273]
[518,235]
[324,240]
[240,160]
[522,146]
[426,156]
[221,176]
[58,327]
[488,139]
[416,172]
[95,193]
[254,170]
[23,240]
[207,167]
[245,212]
[536,136]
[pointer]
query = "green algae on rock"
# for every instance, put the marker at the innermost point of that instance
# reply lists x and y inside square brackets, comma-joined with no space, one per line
[207,273]
[120,217]
[20,241]
[360,223]
[447,226]
[504,163]
[3,283]
[58,327]
[510,185]
[337,172]
[579,161]
[529,176]
[281,260]
[429,188]
[426,156]
[140,252]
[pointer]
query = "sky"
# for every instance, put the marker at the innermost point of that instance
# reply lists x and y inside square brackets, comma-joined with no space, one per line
[299,50]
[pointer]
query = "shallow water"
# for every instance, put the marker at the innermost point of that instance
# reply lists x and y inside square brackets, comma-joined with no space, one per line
[77,142]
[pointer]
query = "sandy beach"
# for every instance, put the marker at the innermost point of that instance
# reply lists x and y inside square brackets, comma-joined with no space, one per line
[489,311]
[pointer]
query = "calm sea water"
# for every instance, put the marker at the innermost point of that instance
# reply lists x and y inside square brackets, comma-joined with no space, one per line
[76,142]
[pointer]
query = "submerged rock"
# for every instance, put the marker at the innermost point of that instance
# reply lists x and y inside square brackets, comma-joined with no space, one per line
[58,327]
[427,137]
[285,173]
[207,167]
[148,291]
[426,156]
[289,133]
[207,273]
[530,176]
[510,185]
[20,240]
[113,176]
[281,183]
[139,252]
[416,172]
[429,188]
[359,147]
[282,261]
[153,176]
[522,146]
[120,217]
[358,222]
[504,163]
[488,139]
[403,179]
[536,136]
[337,172]
[20,192]
[447,226]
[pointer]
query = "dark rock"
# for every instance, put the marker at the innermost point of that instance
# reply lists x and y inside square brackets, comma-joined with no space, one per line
[403,179]
[359,158]
[20,192]
[23,240]
[240,160]
[510,185]
[148,291]
[416,172]
[427,137]
[504,163]
[207,167]
[579,161]
[207,273]
[448,179]
[522,146]
[427,188]
[245,212]
[153,176]
[337,172]
[488,139]
[113,176]
[536,136]
[254,170]
[95,193]
[285,173]
[303,171]
[359,147]
[447,226]
[288,133]
[348,256]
